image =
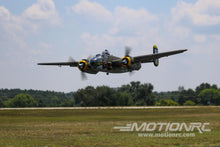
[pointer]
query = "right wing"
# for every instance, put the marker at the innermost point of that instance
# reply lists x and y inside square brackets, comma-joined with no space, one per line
[151,57]
[72,64]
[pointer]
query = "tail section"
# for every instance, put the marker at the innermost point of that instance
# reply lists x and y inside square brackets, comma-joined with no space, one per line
[155,51]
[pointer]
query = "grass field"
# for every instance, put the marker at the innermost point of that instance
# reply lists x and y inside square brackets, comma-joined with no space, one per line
[95,127]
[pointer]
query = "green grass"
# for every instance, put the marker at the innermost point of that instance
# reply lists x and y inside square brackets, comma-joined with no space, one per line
[95,127]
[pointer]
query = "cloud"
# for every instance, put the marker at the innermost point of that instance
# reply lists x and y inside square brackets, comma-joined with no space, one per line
[43,10]
[123,19]
[195,24]
[200,38]
[4,13]
[92,10]
[126,26]
[15,28]
[40,49]
[99,42]
[140,29]
[202,13]
[11,28]
[132,20]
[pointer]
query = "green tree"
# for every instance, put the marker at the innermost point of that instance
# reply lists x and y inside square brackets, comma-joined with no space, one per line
[85,97]
[2,103]
[125,99]
[144,95]
[21,100]
[103,96]
[3,99]
[186,95]
[40,103]
[167,103]
[209,96]
[205,86]
[125,88]
[68,103]
[189,103]
[100,96]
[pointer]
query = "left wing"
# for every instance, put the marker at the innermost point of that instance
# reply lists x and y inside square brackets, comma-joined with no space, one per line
[151,57]
[72,64]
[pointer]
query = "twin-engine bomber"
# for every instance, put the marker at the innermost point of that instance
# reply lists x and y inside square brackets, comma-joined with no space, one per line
[111,64]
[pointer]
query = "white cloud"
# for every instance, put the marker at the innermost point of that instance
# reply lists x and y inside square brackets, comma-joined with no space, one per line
[179,32]
[140,29]
[192,24]
[127,26]
[200,38]
[40,49]
[15,28]
[123,19]
[97,43]
[43,10]
[131,20]
[202,13]
[140,44]
[15,41]
[4,13]
[11,27]
[92,10]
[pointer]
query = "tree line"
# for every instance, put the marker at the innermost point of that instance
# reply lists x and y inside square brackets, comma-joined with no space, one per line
[34,98]
[133,94]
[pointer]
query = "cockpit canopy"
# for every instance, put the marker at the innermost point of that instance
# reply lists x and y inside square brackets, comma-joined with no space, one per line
[96,61]
[105,54]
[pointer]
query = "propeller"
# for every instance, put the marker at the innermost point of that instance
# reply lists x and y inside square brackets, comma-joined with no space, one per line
[127,54]
[81,65]
[131,73]
[83,76]
[89,57]
[70,59]
[127,51]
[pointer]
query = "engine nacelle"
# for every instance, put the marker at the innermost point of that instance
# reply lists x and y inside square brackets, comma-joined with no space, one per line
[156,62]
[155,51]
[82,65]
[126,61]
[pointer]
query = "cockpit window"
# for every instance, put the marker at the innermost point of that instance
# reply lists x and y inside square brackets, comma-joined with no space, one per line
[98,55]
[105,54]
[96,61]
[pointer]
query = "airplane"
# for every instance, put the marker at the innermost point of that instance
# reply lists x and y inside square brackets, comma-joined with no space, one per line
[111,64]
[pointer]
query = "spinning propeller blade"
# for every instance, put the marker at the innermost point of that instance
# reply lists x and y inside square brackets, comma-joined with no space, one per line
[127,50]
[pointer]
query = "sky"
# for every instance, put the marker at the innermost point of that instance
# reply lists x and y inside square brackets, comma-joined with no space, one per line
[33,31]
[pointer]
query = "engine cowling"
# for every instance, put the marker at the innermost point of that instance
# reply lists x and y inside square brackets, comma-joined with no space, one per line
[126,61]
[155,51]
[82,65]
